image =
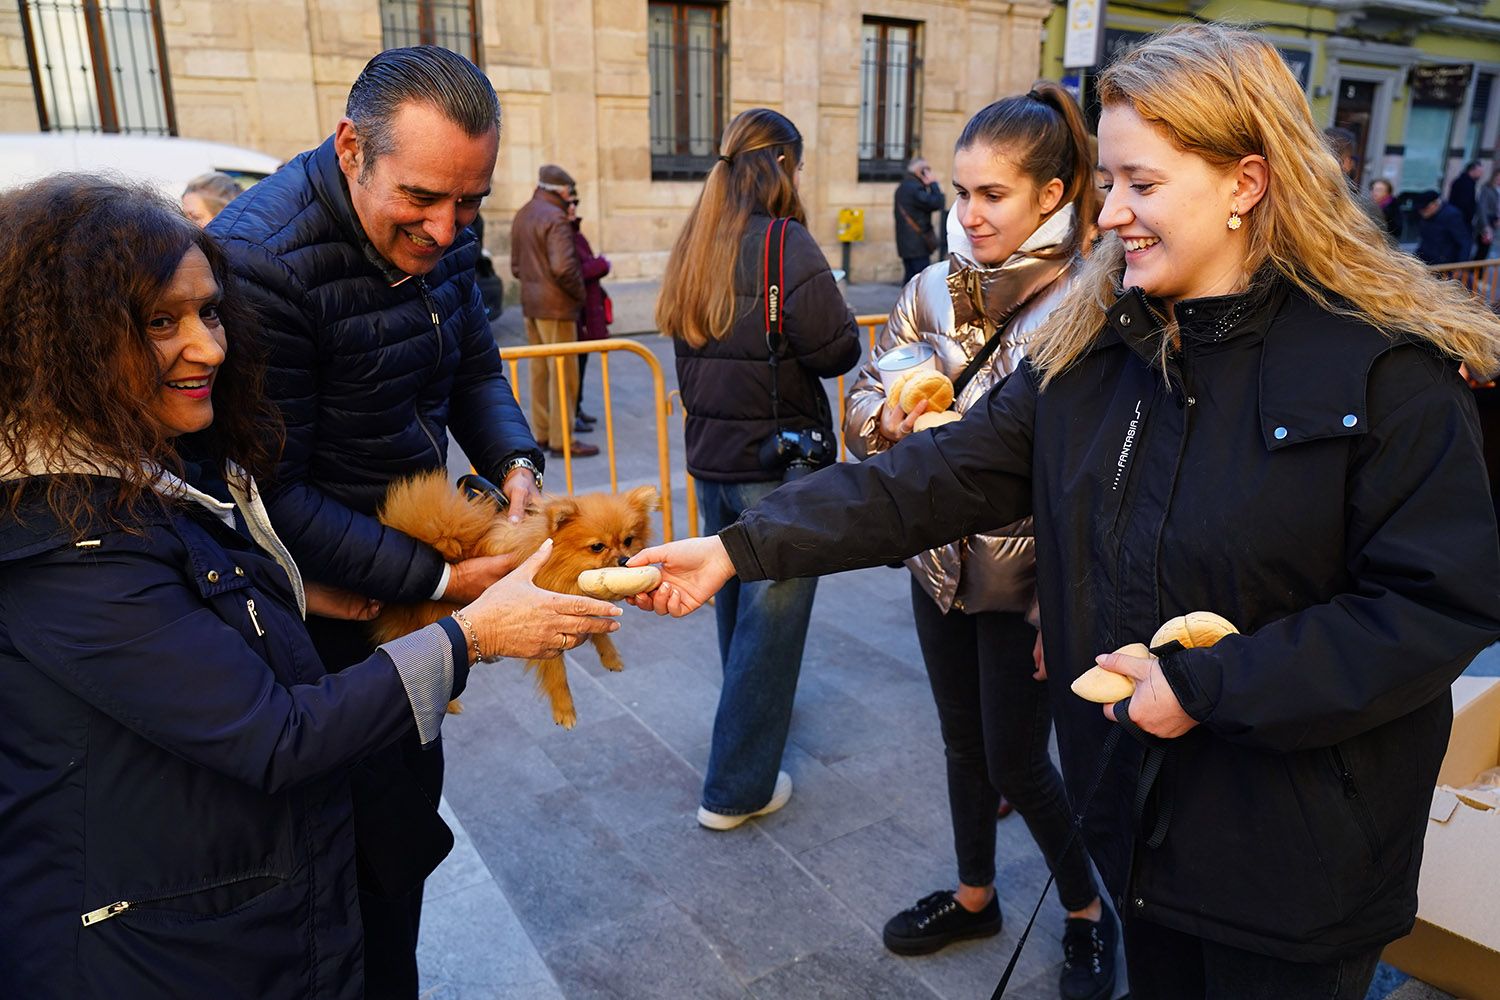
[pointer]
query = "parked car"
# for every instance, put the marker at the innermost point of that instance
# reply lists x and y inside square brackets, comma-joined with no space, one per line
[167,162]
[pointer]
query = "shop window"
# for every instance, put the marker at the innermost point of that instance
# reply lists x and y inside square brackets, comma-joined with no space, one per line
[889,91]
[453,24]
[98,66]
[687,56]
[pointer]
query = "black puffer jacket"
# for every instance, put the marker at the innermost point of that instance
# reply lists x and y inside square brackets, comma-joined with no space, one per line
[368,367]
[726,384]
[1314,482]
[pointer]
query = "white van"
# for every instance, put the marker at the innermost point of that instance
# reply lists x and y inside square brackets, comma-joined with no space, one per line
[166,162]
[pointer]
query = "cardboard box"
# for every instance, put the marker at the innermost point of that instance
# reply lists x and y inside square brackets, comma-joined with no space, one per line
[1455,945]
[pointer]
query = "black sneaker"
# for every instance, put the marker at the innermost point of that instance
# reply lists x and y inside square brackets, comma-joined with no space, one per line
[937,921]
[1088,971]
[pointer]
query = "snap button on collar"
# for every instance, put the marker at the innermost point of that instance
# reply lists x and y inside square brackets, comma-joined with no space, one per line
[1280,433]
[1125,319]
[213,576]
[239,571]
[1350,420]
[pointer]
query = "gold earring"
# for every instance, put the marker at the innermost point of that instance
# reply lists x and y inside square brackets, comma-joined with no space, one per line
[1234,218]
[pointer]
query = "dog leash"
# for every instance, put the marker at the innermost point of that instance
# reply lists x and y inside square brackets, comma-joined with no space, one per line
[1106,753]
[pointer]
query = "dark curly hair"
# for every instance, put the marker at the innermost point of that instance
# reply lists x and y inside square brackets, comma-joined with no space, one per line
[83,262]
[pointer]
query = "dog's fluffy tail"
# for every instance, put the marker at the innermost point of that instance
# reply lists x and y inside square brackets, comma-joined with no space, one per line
[427,507]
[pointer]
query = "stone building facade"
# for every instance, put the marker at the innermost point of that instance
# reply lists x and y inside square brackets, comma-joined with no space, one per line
[575,79]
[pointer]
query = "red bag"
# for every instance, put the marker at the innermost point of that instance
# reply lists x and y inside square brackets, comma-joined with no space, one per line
[609,308]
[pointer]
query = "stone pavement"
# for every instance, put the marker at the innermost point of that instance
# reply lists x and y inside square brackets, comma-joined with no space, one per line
[580,872]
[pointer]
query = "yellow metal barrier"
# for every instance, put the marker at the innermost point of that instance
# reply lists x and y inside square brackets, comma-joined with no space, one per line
[872,322]
[558,352]
[1482,277]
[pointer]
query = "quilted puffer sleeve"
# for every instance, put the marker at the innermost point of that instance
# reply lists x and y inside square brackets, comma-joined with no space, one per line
[331,542]
[485,417]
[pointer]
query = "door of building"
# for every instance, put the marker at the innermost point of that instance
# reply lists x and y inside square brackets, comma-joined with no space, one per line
[1355,106]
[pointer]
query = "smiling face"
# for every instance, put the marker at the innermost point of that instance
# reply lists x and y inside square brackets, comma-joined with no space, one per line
[415,198]
[998,205]
[1171,209]
[189,342]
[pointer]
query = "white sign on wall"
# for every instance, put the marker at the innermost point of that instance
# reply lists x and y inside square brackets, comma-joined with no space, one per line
[1085,32]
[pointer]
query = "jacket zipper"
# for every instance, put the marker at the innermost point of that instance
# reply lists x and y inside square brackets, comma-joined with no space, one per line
[254,618]
[1351,792]
[437,329]
[104,913]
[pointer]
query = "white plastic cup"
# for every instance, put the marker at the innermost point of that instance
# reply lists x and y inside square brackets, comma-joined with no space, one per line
[903,359]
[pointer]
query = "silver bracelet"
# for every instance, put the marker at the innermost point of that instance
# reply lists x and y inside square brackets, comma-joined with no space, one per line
[521,462]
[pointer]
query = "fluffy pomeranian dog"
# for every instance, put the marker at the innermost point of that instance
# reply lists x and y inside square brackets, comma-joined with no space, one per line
[590,531]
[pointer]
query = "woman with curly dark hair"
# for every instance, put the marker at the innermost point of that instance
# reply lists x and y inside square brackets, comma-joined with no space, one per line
[174,805]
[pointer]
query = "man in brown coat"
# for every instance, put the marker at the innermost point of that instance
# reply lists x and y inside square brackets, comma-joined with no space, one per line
[543,257]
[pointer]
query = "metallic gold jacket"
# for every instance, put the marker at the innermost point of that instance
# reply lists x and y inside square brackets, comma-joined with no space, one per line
[953,306]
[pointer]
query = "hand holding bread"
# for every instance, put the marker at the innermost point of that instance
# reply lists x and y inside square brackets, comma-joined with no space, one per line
[1195,630]
[916,401]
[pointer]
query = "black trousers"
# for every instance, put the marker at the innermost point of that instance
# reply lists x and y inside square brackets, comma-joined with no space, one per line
[996,722]
[391,924]
[1170,965]
[914,266]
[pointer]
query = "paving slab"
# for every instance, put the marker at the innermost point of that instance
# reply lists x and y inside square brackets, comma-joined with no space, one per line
[656,953]
[744,893]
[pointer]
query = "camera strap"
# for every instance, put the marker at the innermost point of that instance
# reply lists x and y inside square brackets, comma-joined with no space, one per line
[775,272]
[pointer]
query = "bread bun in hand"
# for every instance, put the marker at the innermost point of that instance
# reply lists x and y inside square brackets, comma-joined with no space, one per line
[935,387]
[893,391]
[1194,630]
[613,583]
[1105,687]
[929,420]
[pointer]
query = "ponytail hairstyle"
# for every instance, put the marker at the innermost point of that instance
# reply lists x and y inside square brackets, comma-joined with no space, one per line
[756,172]
[1224,93]
[1041,132]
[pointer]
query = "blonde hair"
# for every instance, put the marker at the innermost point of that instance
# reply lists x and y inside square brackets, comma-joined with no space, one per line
[1223,93]
[216,189]
[755,172]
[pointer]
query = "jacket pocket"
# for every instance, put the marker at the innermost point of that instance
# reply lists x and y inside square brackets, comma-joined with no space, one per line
[1356,804]
[214,897]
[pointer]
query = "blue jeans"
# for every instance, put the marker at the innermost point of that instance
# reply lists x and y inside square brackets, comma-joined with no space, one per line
[762,628]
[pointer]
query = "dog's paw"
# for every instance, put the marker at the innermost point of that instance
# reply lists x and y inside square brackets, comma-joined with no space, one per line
[610,660]
[455,707]
[565,717]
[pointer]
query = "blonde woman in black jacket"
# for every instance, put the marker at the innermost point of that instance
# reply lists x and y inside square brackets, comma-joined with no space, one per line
[1267,423]
[742,437]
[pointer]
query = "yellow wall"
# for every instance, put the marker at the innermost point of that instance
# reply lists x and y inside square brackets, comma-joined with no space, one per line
[574,88]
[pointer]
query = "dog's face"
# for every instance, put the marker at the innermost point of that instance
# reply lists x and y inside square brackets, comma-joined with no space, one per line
[598,530]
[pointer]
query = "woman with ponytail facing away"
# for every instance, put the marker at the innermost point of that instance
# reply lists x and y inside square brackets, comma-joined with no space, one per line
[1023,174]
[751,424]
[1248,404]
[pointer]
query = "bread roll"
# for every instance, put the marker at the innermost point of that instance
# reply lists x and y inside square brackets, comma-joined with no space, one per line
[1194,630]
[935,387]
[614,582]
[1105,687]
[893,391]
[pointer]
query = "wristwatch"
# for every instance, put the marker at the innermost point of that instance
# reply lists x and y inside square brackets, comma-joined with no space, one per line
[520,462]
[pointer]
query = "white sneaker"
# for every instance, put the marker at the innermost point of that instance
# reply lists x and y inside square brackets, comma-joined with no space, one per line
[711,820]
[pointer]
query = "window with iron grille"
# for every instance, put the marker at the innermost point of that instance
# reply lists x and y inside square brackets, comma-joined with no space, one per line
[98,66]
[453,24]
[890,67]
[687,57]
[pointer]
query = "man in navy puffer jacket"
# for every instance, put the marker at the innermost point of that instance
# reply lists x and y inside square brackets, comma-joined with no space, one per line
[358,257]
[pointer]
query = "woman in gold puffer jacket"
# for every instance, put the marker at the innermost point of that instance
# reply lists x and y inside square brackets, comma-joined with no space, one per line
[1023,174]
